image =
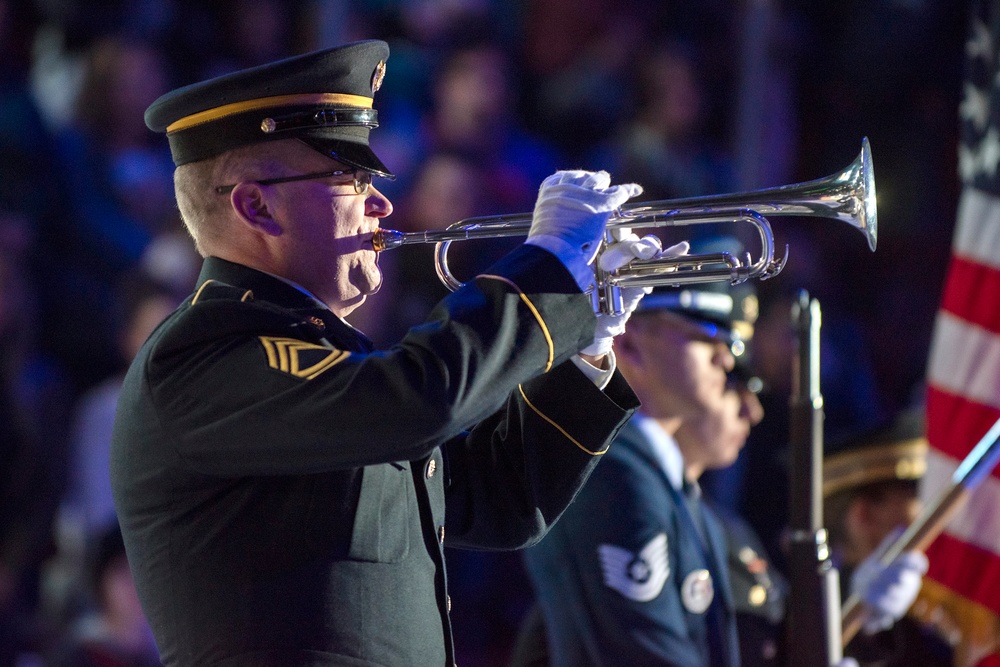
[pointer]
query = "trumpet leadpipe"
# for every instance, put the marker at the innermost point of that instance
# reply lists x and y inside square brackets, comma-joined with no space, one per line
[488,227]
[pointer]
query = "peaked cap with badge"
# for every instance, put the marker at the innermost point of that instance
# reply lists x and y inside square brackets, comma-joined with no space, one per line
[324,98]
[723,311]
[892,452]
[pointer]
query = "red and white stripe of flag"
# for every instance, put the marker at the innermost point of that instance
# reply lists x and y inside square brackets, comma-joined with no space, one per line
[961,594]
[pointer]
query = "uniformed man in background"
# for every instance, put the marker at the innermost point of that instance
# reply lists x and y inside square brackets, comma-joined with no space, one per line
[870,489]
[635,572]
[641,569]
[283,488]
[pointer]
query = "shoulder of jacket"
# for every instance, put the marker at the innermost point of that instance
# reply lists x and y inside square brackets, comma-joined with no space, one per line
[213,290]
[218,310]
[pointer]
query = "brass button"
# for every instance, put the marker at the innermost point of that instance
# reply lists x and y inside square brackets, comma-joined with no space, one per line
[441,534]
[317,322]
[757,595]
[431,468]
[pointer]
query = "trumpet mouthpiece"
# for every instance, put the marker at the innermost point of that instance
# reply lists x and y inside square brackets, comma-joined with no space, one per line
[386,239]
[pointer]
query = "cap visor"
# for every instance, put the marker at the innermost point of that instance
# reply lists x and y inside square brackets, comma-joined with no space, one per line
[350,153]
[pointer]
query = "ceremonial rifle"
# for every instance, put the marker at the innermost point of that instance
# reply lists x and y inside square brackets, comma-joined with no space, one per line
[814,604]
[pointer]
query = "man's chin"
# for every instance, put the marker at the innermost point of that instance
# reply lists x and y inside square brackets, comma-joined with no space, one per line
[375,285]
[366,280]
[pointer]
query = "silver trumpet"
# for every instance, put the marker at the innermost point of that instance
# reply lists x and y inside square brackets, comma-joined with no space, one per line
[848,195]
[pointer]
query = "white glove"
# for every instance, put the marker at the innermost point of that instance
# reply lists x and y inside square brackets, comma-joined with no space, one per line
[847,662]
[888,590]
[570,215]
[627,247]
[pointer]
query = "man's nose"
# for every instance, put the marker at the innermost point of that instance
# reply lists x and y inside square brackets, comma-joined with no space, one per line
[377,205]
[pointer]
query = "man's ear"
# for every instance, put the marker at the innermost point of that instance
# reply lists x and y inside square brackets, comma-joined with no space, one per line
[250,202]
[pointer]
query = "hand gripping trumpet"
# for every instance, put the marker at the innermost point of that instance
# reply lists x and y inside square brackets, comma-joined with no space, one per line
[848,195]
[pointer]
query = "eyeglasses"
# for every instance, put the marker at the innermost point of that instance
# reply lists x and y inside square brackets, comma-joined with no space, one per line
[362,179]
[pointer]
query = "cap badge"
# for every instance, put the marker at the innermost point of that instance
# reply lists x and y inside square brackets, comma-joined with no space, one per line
[697,591]
[377,76]
[268,125]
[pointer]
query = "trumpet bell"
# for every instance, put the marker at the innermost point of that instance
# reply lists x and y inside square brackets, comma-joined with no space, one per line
[848,196]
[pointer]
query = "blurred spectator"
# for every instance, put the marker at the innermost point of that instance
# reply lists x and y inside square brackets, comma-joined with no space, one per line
[580,55]
[119,179]
[250,33]
[473,116]
[666,147]
[120,176]
[33,408]
[114,633]
[472,158]
[88,502]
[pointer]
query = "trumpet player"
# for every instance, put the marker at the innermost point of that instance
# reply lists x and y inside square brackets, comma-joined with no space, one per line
[285,491]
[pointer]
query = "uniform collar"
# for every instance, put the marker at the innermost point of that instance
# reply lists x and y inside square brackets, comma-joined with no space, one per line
[664,448]
[265,287]
[286,294]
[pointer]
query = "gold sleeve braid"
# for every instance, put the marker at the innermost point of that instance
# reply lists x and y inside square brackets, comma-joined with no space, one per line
[534,311]
[559,428]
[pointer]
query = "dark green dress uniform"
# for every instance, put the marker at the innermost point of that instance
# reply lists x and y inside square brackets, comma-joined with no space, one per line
[284,489]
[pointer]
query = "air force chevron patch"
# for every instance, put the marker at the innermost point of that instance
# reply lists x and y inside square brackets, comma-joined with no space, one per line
[299,358]
[638,577]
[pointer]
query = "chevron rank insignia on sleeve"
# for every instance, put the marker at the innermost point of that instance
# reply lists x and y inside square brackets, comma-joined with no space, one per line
[638,577]
[299,358]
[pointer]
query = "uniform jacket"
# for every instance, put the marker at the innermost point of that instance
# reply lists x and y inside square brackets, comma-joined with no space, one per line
[759,592]
[625,605]
[283,488]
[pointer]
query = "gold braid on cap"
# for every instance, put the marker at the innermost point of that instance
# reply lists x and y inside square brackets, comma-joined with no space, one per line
[209,115]
[902,460]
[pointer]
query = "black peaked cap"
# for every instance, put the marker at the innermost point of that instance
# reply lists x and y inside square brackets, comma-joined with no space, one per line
[325,98]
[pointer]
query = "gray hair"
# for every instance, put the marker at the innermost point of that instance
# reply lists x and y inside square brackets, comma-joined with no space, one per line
[207,215]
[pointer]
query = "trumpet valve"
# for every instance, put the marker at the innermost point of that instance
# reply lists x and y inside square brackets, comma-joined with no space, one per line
[775,266]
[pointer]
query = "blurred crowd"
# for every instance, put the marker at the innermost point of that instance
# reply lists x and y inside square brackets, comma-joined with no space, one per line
[482,100]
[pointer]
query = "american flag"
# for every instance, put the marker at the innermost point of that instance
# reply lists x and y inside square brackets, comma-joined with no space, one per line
[961,593]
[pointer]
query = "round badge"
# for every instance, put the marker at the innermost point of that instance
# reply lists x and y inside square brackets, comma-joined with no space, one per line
[697,591]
